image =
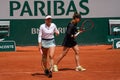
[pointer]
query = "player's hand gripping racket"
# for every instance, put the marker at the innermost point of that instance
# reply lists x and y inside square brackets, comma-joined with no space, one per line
[86,25]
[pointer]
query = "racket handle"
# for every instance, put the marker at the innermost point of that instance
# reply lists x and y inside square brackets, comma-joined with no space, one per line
[41,51]
[77,34]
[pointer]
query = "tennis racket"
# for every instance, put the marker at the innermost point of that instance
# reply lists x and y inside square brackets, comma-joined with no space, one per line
[44,61]
[41,51]
[86,25]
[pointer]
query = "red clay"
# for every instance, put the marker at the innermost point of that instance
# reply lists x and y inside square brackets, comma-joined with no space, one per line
[101,61]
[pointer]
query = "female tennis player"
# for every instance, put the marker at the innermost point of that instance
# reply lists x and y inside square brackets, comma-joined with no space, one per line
[69,42]
[47,43]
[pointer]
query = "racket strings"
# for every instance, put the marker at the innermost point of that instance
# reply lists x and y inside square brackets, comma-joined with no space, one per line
[87,24]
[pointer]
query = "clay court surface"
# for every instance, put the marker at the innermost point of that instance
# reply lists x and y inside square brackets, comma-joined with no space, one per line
[101,61]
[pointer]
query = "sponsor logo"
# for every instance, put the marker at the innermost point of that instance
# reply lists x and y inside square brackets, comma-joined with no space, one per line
[118,44]
[48,7]
[116,29]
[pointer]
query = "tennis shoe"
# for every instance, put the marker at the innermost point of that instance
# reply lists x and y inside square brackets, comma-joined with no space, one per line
[50,74]
[55,68]
[80,68]
[46,71]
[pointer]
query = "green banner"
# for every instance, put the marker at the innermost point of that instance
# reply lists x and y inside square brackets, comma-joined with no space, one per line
[25,32]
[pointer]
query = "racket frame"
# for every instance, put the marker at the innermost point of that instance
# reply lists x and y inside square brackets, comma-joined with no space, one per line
[82,26]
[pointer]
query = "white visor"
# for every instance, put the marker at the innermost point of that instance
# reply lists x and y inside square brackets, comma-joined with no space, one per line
[48,17]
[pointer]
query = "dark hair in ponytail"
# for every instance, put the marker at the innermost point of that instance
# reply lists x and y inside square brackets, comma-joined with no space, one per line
[76,15]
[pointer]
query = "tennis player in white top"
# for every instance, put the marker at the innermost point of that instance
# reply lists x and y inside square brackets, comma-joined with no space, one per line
[47,43]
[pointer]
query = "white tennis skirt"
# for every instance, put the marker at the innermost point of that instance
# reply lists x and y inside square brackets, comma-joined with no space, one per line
[47,43]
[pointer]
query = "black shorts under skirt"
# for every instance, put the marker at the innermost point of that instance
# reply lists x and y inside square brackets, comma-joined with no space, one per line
[69,43]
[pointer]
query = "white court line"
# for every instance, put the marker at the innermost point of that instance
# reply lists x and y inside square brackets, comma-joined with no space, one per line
[19,72]
[28,72]
[106,71]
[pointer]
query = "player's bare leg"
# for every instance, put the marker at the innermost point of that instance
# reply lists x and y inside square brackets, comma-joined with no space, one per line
[44,60]
[51,55]
[77,59]
[65,50]
[76,50]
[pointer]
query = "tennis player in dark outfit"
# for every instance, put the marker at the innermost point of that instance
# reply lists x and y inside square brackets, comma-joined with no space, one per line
[69,42]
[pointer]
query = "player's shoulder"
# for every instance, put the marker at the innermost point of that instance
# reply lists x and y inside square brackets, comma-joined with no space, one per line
[70,24]
[42,25]
[53,24]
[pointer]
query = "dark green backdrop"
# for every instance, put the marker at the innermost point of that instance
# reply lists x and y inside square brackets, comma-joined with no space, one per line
[21,31]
